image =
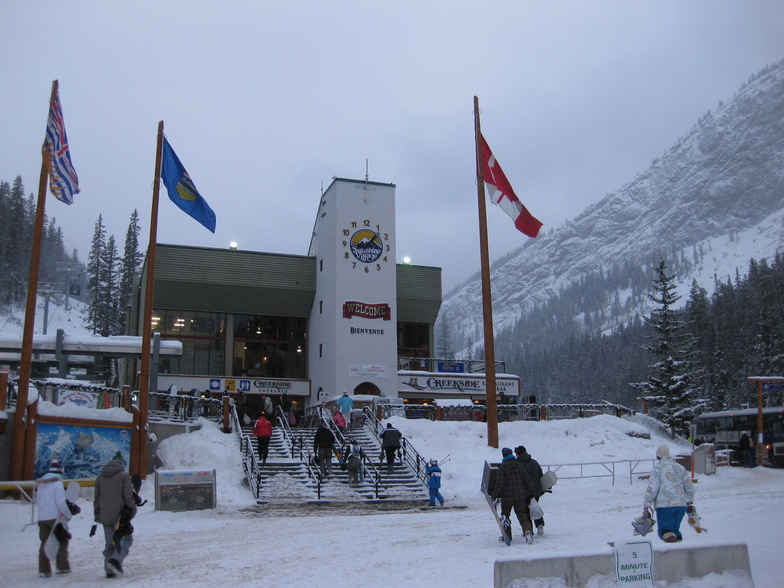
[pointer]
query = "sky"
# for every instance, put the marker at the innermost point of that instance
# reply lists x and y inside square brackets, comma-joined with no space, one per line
[349,544]
[264,103]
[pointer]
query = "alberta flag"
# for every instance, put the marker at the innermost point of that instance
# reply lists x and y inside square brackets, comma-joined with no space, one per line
[63,182]
[181,189]
[501,193]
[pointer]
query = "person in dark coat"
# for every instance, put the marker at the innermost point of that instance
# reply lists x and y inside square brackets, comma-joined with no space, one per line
[535,473]
[747,450]
[323,441]
[113,493]
[390,442]
[513,486]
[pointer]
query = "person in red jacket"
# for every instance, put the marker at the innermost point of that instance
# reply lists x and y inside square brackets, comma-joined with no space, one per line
[262,430]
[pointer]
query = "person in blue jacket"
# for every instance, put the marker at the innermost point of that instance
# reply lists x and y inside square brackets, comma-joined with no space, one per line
[345,404]
[433,473]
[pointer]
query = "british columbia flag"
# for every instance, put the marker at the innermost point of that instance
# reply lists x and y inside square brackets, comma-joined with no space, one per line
[63,182]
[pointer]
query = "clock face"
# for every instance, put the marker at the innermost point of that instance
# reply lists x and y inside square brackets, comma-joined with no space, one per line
[365,245]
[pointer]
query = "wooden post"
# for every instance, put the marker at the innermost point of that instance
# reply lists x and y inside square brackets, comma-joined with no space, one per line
[487,300]
[226,413]
[18,456]
[144,378]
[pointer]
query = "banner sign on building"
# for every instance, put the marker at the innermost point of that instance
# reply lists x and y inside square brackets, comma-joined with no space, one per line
[367,372]
[371,311]
[266,386]
[453,367]
[446,386]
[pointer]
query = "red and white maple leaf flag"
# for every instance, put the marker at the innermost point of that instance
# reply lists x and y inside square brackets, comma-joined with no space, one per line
[500,191]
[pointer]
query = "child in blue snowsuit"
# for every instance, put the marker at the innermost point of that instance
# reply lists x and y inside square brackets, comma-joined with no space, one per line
[433,473]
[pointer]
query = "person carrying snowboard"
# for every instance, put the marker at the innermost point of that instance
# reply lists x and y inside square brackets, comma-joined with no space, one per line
[113,495]
[262,430]
[671,492]
[534,471]
[514,488]
[52,508]
[433,473]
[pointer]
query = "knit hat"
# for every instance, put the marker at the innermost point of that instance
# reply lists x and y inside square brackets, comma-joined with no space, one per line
[56,467]
[506,451]
[519,449]
[662,451]
[118,457]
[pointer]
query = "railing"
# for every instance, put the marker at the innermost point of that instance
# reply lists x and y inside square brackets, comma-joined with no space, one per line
[249,461]
[406,453]
[430,364]
[599,469]
[183,408]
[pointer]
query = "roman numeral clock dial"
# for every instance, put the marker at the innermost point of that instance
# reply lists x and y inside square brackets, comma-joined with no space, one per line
[365,246]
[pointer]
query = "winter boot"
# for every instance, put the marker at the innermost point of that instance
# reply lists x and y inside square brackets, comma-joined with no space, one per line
[669,537]
[529,537]
[540,530]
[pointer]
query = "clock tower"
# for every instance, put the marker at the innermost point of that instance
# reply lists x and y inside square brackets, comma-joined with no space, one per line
[352,335]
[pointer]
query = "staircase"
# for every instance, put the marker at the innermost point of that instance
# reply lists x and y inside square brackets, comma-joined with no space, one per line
[288,477]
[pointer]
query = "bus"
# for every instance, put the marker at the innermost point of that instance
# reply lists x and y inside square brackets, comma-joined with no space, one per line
[724,429]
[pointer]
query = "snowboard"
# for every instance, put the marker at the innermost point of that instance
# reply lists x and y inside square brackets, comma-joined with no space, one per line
[124,526]
[489,499]
[51,546]
[548,480]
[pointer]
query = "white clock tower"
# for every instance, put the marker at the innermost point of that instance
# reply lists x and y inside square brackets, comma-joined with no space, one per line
[352,336]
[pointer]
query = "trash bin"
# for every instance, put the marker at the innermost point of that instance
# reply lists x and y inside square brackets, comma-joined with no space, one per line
[705,459]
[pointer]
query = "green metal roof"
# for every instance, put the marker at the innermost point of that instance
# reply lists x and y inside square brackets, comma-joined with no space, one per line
[250,282]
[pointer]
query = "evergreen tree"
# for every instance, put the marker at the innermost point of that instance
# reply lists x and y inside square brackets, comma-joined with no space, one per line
[97,311]
[131,265]
[667,390]
[110,284]
[444,339]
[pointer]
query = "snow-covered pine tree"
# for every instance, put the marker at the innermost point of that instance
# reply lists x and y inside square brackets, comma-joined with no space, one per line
[131,264]
[668,392]
[110,282]
[97,311]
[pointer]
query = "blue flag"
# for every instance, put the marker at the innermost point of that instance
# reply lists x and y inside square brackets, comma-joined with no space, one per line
[181,189]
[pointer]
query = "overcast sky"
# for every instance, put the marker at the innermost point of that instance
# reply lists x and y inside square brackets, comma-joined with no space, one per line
[264,102]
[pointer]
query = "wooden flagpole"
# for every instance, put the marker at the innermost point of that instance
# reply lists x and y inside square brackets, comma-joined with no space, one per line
[21,462]
[487,299]
[140,464]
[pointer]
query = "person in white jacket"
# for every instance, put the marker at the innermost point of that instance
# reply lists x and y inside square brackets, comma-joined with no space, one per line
[52,510]
[670,492]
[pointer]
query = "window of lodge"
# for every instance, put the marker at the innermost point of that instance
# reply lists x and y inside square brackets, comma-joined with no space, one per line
[413,340]
[270,346]
[203,337]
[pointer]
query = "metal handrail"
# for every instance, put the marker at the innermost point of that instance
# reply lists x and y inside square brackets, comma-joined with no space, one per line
[406,453]
[249,462]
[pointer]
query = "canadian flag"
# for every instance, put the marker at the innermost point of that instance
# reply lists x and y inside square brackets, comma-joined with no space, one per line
[500,191]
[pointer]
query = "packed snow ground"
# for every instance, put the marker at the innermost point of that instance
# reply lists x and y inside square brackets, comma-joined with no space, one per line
[348,545]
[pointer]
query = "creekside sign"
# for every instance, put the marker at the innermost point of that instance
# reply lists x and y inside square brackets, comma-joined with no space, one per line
[249,385]
[435,385]
[634,564]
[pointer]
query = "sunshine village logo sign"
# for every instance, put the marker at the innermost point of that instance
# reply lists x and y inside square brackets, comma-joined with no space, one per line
[371,311]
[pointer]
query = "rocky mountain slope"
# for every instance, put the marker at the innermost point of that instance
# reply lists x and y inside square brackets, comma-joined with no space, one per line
[715,198]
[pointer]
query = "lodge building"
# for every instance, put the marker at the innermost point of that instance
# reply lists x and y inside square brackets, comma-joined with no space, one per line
[344,317]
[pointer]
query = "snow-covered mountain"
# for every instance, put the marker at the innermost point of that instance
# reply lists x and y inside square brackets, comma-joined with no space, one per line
[715,199]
